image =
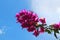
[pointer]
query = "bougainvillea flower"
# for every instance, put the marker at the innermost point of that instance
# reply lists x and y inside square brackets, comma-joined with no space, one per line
[27,15]
[42,20]
[41,30]
[31,29]
[56,26]
[17,15]
[27,18]
[24,25]
[36,33]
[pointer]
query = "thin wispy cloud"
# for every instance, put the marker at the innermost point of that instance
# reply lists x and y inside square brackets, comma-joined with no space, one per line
[2,30]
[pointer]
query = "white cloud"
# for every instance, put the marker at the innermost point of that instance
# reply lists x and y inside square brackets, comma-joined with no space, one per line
[1,32]
[50,9]
[58,10]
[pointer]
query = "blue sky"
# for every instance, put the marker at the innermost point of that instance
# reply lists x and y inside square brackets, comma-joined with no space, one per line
[10,30]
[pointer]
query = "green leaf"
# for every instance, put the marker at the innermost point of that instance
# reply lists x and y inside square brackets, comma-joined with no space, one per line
[50,26]
[49,32]
[56,31]
[40,25]
[44,24]
[55,35]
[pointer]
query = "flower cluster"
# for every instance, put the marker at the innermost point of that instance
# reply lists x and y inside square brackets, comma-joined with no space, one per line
[33,23]
[56,26]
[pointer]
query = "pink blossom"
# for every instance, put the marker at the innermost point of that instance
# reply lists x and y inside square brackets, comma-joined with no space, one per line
[36,33]
[42,20]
